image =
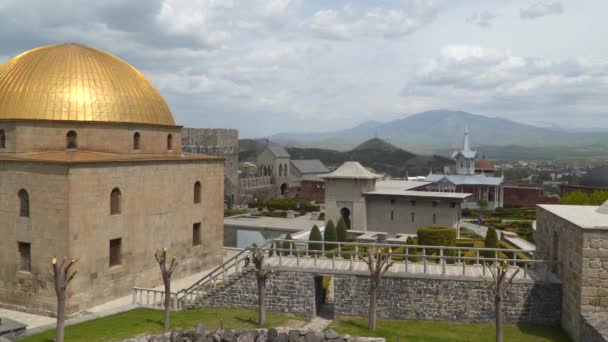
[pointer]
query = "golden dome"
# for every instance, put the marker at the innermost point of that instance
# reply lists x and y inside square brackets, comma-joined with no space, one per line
[76,82]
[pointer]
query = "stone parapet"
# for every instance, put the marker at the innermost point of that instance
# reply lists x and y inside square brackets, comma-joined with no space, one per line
[594,327]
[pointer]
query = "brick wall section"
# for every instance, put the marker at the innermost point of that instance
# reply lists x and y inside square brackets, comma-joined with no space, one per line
[447,299]
[400,297]
[285,292]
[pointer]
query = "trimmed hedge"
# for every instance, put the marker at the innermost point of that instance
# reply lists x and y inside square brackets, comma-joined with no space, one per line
[288,245]
[286,204]
[315,235]
[330,233]
[437,236]
[342,230]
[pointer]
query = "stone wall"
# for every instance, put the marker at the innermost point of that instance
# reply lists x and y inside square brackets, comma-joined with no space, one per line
[449,299]
[401,297]
[285,292]
[594,327]
[221,143]
[251,335]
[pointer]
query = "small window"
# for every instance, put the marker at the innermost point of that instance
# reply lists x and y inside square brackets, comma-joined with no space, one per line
[280,170]
[392,215]
[169,142]
[71,140]
[115,252]
[2,139]
[24,203]
[434,218]
[196,234]
[434,204]
[392,201]
[197,192]
[136,140]
[115,202]
[25,256]
[453,205]
[413,203]
[413,217]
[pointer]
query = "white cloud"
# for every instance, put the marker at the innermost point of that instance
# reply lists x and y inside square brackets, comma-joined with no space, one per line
[541,9]
[482,19]
[352,21]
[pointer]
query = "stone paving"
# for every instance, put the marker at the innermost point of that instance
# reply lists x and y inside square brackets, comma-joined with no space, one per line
[456,270]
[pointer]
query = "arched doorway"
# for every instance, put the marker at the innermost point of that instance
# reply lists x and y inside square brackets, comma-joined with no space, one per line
[345,213]
[283,188]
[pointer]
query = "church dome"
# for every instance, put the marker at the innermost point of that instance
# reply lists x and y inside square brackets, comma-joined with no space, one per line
[78,83]
[596,178]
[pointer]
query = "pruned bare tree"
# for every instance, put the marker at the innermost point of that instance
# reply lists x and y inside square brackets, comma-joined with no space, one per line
[499,284]
[378,262]
[167,272]
[261,277]
[62,276]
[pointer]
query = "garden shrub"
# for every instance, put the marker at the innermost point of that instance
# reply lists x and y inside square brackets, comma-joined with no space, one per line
[315,235]
[288,245]
[342,230]
[330,233]
[491,241]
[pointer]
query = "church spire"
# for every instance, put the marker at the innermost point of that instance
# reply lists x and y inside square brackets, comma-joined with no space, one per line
[465,144]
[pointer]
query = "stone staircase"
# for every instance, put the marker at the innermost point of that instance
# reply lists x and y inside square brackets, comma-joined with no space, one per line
[197,296]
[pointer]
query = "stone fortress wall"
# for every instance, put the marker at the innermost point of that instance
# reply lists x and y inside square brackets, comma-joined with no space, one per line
[399,297]
[221,143]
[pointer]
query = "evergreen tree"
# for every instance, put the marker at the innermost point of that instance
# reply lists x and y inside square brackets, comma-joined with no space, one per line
[491,241]
[342,230]
[288,245]
[330,233]
[315,236]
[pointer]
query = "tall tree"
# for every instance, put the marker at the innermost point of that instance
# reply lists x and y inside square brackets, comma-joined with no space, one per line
[315,239]
[167,272]
[342,230]
[378,262]
[498,286]
[61,279]
[330,233]
[261,277]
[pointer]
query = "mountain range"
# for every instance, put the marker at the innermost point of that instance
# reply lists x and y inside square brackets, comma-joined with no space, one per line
[443,129]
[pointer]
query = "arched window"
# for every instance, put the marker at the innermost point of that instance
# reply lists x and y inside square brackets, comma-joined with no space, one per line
[413,217]
[434,218]
[197,192]
[115,202]
[136,138]
[280,170]
[2,139]
[392,215]
[285,170]
[24,203]
[71,140]
[170,142]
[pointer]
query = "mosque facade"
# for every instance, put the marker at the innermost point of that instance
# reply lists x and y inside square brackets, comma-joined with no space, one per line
[92,168]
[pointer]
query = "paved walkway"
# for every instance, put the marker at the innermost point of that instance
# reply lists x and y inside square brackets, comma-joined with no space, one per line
[38,323]
[483,230]
[456,270]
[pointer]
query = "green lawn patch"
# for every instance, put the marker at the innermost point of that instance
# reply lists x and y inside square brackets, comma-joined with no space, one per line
[145,321]
[412,330]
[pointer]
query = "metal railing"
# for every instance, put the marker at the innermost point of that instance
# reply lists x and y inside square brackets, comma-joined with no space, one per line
[452,260]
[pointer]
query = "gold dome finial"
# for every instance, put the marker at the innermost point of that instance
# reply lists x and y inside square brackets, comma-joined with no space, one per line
[75,82]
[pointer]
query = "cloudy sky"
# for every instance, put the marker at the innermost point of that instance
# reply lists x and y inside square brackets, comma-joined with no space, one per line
[317,65]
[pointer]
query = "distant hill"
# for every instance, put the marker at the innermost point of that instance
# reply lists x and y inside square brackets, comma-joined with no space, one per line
[444,129]
[375,153]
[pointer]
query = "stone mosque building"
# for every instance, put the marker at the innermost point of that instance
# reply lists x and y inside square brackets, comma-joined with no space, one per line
[91,167]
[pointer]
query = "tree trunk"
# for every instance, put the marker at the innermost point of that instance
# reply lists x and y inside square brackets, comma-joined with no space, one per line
[373,290]
[167,282]
[499,318]
[261,302]
[59,330]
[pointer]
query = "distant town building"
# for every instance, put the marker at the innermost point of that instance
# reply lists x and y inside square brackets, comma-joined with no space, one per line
[274,161]
[518,196]
[306,179]
[470,177]
[595,180]
[394,206]
[221,143]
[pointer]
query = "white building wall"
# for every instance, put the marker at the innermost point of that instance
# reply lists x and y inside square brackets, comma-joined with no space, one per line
[347,193]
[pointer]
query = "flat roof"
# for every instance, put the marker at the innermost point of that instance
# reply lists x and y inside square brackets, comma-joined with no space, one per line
[422,194]
[277,223]
[584,216]
[396,184]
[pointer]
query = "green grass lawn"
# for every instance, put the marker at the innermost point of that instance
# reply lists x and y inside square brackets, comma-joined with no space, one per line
[445,331]
[145,321]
